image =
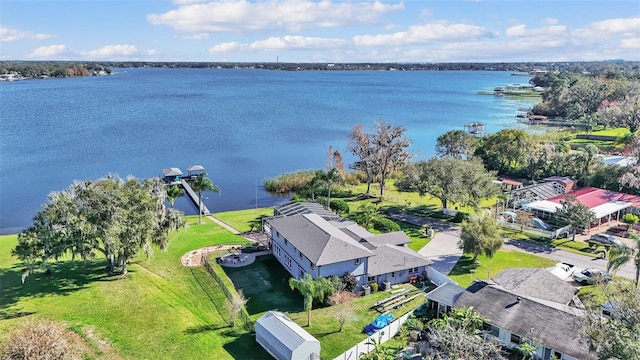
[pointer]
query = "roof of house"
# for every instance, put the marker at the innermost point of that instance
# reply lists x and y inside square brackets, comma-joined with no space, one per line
[546,325]
[620,160]
[171,172]
[389,258]
[535,282]
[297,208]
[393,238]
[287,332]
[592,197]
[321,242]
[446,293]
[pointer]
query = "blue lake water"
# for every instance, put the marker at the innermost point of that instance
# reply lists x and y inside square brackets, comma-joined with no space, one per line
[242,125]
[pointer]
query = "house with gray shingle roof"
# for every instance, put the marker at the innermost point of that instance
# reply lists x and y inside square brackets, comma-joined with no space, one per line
[310,244]
[512,318]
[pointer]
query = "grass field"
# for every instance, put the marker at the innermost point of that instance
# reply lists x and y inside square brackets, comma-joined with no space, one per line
[466,271]
[159,311]
[242,220]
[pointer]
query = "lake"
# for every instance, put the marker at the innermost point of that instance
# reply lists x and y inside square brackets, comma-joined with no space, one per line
[242,125]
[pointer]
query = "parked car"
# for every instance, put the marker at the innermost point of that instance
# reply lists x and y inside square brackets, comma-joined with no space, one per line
[539,224]
[591,276]
[604,239]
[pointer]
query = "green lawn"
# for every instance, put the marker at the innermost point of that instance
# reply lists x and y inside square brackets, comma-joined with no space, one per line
[242,220]
[466,271]
[159,311]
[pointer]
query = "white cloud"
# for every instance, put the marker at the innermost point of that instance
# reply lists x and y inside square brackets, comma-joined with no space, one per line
[280,43]
[547,31]
[9,34]
[612,28]
[244,16]
[631,44]
[551,21]
[49,52]
[112,51]
[199,36]
[422,34]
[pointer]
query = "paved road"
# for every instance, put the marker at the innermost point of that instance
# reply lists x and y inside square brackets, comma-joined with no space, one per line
[577,260]
[443,248]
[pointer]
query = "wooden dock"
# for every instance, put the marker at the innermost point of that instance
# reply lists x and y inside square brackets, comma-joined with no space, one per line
[194,197]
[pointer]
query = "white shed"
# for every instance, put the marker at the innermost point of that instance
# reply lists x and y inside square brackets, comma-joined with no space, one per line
[284,339]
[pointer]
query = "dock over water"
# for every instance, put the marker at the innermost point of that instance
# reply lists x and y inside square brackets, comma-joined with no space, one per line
[175,176]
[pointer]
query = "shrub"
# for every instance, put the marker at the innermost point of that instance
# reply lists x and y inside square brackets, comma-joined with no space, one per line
[460,217]
[289,182]
[374,287]
[630,218]
[385,225]
[43,339]
[349,281]
[340,207]
[413,323]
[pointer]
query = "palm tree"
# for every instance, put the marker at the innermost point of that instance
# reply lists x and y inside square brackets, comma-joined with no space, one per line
[200,184]
[365,214]
[174,192]
[311,289]
[329,177]
[622,254]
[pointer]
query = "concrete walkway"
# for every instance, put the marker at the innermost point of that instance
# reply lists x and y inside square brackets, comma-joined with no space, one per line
[223,224]
[443,248]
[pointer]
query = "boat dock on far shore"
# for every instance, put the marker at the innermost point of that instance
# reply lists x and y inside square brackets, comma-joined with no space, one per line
[175,176]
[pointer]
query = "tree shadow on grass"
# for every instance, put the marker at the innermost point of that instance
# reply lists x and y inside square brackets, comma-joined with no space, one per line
[243,345]
[64,278]
[205,328]
[464,266]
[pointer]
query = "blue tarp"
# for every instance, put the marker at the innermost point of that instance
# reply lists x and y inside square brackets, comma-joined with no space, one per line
[379,323]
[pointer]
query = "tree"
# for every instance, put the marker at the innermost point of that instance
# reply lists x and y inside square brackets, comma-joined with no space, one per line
[480,236]
[330,178]
[575,213]
[174,192]
[523,218]
[112,216]
[505,151]
[365,214]
[389,146]
[453,180]
[311,289]
[618,335]
[380,351]
[590,156]
[359,144]
[457,144]
[457,336]
[235,305]
[625,113]
[200,184]
[343,310]
[622,254]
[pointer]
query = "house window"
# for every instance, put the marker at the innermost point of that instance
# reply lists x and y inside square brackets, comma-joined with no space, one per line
[301,273]
[516,339]
[311,265]
[557,355]
[277,233]
[413,270]
[393,274]
[490,329]
[276,250]
[286,242]
[371,279]
[300,254]
[287,261]
[357,261]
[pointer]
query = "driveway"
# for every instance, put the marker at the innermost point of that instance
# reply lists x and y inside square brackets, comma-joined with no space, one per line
[443,249]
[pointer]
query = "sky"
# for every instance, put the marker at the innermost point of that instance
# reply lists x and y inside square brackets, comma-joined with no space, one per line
[320,31]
